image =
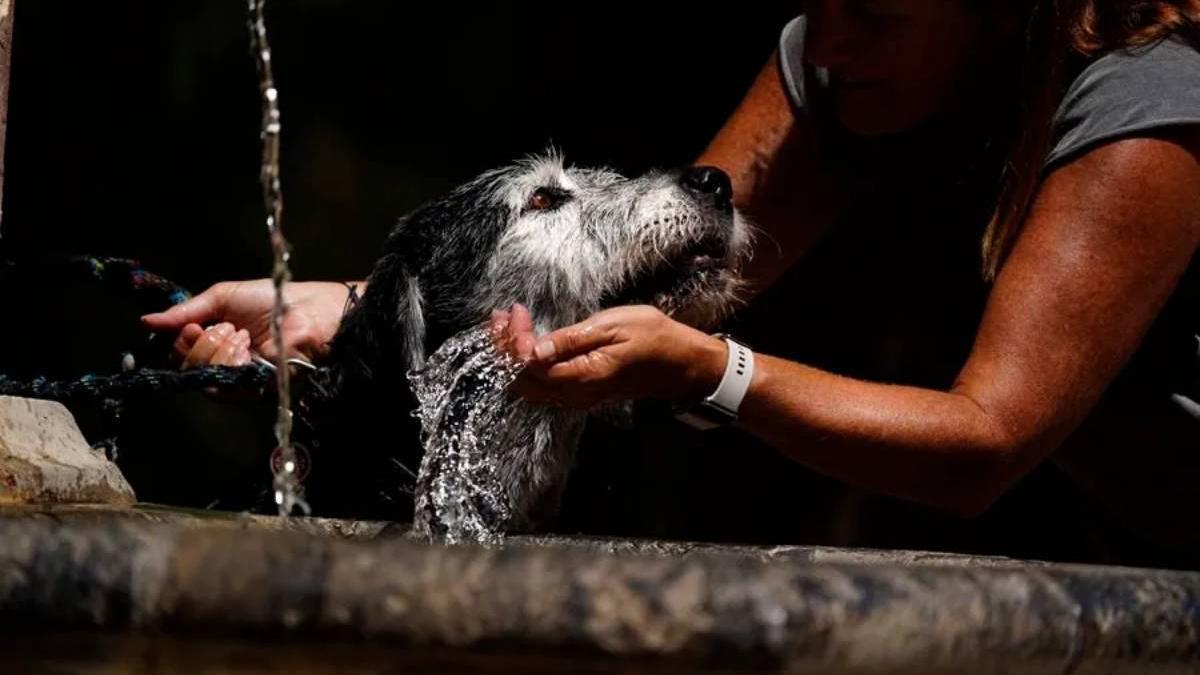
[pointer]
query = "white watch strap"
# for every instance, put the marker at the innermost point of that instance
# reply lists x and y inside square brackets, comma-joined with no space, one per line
[739,370]
[721,407]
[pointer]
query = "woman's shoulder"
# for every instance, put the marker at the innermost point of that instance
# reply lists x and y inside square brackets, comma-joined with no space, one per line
[1125,92]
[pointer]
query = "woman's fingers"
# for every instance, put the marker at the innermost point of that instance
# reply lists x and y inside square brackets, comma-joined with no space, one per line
[499,321]
[592,367]
[199,309]
[242,356]
[521,329]
[569,367]
[187,339]
[228,350]
[208,344]
[234,351]
[501,337]
[512,332]
[571,343]
[217,346]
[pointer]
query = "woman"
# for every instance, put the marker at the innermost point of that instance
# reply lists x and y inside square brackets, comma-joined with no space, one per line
[885,146]
[1083,345]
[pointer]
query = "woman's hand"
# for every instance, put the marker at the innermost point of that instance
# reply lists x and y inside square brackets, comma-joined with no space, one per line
[314,314]
[618,354]
[219,345]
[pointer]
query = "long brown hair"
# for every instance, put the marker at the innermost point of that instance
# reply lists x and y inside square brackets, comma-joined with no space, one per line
[1061,36]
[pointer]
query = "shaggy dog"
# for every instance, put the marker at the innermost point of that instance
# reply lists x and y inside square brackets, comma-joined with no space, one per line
[566,242]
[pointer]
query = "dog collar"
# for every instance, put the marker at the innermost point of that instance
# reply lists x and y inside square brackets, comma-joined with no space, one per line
[721,407]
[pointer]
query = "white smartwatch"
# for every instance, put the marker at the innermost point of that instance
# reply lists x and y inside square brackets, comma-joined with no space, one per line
[721,407]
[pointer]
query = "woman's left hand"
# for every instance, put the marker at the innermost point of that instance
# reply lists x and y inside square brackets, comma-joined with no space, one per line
[618,354]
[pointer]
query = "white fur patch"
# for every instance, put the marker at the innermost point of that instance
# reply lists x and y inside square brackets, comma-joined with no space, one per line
[414,324]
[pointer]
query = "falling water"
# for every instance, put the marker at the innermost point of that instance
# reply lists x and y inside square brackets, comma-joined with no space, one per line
[287,485]
[468,422]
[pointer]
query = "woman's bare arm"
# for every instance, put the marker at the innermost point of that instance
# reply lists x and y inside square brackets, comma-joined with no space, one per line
[313,318]
[1108,239]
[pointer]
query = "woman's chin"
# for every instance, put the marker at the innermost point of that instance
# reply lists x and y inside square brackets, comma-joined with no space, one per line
[865,115]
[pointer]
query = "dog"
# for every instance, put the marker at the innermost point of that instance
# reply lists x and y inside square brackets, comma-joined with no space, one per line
[564,241]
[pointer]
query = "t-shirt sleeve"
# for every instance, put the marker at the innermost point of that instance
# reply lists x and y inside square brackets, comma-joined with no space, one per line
[791,62]
[1126,92]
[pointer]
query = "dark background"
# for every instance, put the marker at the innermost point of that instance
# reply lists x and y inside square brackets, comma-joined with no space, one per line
[134,125]
[133,132]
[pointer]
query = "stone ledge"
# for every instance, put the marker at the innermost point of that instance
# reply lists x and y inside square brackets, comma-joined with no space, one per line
[44,458]
[573,608]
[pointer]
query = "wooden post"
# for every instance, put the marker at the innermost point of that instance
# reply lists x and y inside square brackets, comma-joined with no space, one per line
[6,27]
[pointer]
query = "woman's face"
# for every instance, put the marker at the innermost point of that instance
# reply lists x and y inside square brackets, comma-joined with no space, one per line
[894,63]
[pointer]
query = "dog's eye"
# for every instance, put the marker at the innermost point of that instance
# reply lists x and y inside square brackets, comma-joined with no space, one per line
[544,199]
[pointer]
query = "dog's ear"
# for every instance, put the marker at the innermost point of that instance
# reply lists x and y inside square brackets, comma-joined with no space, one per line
[401,304]
[386,331]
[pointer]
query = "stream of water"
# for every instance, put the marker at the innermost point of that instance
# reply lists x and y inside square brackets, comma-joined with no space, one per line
[288,492]
[469,421]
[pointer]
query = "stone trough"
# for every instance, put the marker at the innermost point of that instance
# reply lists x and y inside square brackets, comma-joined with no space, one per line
[133,588]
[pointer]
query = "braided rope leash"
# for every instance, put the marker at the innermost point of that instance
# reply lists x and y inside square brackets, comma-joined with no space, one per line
[128,276]
[110,391]
[141,382]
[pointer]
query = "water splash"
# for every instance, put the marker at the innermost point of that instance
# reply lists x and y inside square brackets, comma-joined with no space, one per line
[469,422]
[288,492]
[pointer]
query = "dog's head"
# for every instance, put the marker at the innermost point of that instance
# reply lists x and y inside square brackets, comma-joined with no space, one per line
[566,242]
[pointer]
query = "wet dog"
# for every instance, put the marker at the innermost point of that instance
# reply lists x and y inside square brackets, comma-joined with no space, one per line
[566,242]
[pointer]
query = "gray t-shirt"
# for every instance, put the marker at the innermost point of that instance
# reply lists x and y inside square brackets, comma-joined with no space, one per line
[1119,94]
[1139,452]
[1123,93]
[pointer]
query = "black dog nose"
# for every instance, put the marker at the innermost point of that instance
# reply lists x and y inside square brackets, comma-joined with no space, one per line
[708,180]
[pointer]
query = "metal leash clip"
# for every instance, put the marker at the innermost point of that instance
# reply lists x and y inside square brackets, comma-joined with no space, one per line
[294,361]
